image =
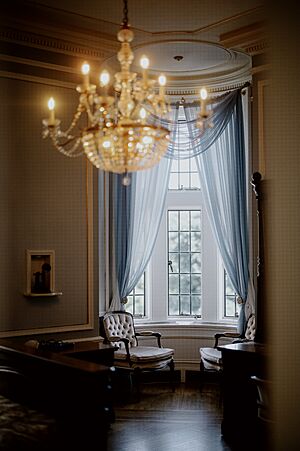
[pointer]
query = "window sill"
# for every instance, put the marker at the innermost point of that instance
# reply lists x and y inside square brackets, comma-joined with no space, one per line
[186,323]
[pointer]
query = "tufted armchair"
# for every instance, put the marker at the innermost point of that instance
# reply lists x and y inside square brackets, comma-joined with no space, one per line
[118,328]
[211,358]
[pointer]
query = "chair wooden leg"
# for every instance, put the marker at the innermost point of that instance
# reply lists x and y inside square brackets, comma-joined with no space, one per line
[137,377]
[172,374]
[202,373]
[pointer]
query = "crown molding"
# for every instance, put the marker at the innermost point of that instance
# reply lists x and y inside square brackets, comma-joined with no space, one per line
[257,48]
[35,79]
[251,39]
[191,94]
[102,50]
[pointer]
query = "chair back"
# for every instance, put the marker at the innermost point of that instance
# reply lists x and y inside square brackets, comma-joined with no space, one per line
[250,328]
[120,324]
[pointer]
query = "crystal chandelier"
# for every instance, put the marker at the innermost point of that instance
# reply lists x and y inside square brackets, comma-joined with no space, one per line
[118,135]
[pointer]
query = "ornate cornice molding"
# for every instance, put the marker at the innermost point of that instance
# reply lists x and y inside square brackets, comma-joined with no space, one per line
[251,39]
[257,48]
[191,94]
[102,51]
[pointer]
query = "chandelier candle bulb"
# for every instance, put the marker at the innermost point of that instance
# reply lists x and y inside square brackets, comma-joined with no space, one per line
[144,61]
[51,106]
[143,114]
[203,97]
[162,83]
[104,81]
[85,69]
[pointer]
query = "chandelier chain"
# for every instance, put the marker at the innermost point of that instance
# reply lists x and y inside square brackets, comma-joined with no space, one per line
[125,14]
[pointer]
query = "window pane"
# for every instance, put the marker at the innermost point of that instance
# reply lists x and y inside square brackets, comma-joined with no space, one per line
[185,286]
[185,305]
[229,288]
[186,170]
[193,165]
[173,241]
[195,182]
[195,241]
[230,305]
[195,220]
[196,305]
[173,305]
[196,263]
[174,181]
[184,180]
[129,305]
[136,299]
[139,289]
[196,284]
[174,259]
[173,220]
[184,165]
[174,167]
[173,284]
[139,305]
[185,263]
[184,220]
[187,278]
[184,241]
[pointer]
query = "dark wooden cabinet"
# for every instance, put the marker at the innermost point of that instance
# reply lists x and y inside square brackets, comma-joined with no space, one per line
[240,362]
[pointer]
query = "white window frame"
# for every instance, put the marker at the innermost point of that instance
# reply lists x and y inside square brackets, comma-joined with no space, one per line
[157,271]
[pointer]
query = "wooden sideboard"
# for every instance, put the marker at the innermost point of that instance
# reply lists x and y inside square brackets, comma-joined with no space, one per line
[240,362]
[72,385]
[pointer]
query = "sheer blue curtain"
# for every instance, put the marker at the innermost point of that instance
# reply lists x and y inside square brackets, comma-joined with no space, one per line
[222,171]
[138,208]
[137,213]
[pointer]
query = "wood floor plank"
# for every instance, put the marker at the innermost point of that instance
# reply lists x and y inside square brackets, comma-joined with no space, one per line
[187,420]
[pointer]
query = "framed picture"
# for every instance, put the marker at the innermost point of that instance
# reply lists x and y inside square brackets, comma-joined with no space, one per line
[40,272]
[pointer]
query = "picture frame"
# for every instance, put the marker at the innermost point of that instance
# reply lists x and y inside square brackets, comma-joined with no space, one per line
[40,272]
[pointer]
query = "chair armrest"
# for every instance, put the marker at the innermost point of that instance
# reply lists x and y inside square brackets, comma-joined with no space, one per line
[150,333]
[117,338]
[224,335]
[126,343]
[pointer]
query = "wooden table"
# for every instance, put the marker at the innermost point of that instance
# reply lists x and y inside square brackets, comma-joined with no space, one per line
[73,385]
[240,362]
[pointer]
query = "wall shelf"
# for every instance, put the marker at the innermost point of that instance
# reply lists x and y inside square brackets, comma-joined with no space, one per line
[43,295]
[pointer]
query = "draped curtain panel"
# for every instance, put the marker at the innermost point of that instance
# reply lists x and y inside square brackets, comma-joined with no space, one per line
[138,208]
[223,178]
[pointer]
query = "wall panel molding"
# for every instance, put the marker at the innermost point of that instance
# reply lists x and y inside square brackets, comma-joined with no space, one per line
[261,93]
[89,322]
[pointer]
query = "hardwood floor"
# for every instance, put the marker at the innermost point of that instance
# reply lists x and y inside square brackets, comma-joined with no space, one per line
[189,419]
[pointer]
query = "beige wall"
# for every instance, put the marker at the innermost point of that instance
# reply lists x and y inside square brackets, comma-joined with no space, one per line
[282,225]
[43,206]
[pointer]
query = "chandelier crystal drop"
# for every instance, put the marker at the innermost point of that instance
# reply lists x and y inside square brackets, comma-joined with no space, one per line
[118,135]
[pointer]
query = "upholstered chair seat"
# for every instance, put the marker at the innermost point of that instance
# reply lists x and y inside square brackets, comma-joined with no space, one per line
[147,356]
[118,329]
[211,358]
